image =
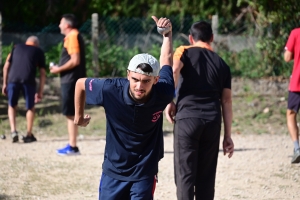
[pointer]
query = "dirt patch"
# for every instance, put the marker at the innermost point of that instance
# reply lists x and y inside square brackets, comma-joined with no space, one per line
[259,169]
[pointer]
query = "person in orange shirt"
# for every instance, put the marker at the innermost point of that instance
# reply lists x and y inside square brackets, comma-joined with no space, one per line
[203,82]
[71,67]
[19,75]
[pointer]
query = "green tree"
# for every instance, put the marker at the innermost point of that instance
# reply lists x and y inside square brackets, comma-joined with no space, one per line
[273,19]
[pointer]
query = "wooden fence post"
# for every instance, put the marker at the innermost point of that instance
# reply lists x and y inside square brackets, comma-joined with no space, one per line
[0,39]
[95,41]
[214,26]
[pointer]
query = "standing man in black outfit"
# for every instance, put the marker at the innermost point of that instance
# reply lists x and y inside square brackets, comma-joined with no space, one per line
[203,99]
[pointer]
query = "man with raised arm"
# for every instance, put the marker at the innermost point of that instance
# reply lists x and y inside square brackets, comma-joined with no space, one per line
[133,108]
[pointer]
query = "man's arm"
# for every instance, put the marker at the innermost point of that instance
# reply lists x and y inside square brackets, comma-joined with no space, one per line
[73,62]
[288,56]
[170,110]
[79,101]
[39,95]
[5,75]
[226,103]
[177,66]
[166,51]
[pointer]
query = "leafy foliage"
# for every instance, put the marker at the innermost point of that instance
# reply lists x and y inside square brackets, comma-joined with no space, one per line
[113,60]
[5,51]
[272,22]
[269,20]
[52,10]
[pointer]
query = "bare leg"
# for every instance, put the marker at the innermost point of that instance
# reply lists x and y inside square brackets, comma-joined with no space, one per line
[72,130]
[292,124]
[291,117]
[30,118]
[12,117]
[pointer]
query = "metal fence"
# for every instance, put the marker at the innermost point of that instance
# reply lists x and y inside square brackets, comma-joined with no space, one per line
[128,32]
[230,35]
[139,32]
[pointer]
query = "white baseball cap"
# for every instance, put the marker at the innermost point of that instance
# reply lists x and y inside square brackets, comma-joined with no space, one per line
[147,59]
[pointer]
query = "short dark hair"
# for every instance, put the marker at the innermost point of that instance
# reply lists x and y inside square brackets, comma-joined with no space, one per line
[201,31]
[145,67]
[71,20]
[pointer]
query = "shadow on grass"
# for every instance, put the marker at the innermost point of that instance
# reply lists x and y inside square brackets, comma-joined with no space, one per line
[246,149]
[66,140]
[167,133]
[235,150]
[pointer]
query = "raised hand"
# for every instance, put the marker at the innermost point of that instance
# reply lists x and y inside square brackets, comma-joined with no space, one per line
[163,24]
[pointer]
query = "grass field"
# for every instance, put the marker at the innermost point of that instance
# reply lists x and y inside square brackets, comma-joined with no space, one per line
[34,171]
[251,114]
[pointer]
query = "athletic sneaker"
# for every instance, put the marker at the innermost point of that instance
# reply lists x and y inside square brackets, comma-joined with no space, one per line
[3,137]
[28,139]
[296,156]
[68,151]
[15,137]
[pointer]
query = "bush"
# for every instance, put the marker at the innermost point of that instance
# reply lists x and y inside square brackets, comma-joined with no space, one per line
[256,64]
[5,51]
[113,59]
[52,55]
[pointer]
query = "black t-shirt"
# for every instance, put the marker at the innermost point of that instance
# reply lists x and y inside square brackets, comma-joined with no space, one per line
[203,77]
[73,43]
[24,60]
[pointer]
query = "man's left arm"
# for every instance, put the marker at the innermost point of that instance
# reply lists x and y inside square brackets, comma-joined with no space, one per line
[170,110]
[42,67]
[73,62]
[39,95]
[226,103]
[73,49]
[177,66]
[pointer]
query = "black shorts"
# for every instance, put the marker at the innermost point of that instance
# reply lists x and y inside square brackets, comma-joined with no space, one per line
[67,93]
[294,101]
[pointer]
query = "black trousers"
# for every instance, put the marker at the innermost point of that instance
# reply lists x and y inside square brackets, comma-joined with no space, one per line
[196,148]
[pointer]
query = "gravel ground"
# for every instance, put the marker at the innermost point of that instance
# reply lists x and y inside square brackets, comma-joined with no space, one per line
[259,169]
